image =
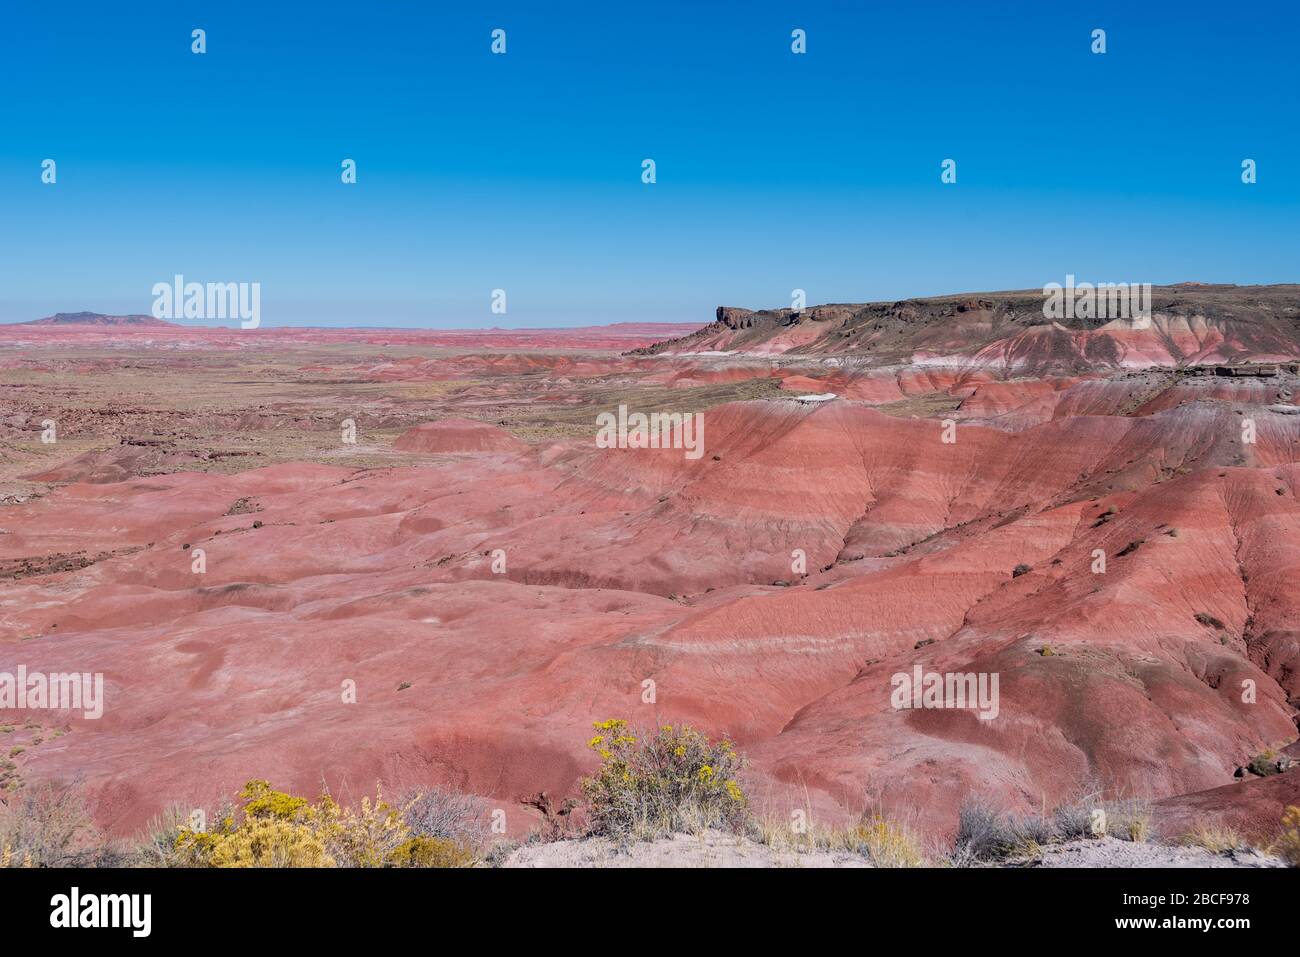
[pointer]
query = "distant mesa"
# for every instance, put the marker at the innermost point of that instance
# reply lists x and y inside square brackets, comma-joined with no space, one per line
[1188,324]
[96,319]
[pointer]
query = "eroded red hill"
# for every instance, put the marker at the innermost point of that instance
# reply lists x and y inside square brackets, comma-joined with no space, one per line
[451,600]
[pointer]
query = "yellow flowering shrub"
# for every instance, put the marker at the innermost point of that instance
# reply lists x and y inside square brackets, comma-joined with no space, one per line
[431,852]
[672,780]
[275,829]
[363,838]
[269,842]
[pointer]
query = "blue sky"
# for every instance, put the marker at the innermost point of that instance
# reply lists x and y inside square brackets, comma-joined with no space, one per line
[523,171]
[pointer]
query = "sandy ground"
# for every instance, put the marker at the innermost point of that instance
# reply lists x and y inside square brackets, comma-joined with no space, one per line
[1110,852]
[681,850]
[724,850]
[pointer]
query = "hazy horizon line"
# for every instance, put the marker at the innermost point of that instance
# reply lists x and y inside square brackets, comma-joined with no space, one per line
[181,324]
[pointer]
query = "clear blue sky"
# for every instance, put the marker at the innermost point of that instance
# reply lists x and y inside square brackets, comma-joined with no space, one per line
[522,171]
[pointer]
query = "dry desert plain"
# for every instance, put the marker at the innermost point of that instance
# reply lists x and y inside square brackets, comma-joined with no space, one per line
[949,503]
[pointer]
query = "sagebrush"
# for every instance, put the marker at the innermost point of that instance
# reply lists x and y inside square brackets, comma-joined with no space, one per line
[671,780]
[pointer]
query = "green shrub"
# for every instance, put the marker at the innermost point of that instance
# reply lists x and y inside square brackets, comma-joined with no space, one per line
[1264,763]
[431,852]
[672,781]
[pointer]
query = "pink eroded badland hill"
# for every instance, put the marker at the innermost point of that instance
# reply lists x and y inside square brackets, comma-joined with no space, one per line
[458,435]
[489,607]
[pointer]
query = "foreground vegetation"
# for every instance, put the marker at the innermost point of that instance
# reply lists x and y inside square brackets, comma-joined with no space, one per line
[49,827]
[674,780]
[649,785]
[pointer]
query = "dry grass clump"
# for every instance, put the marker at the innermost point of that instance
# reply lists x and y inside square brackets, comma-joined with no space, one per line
[985,835]
[674,780]
[1287,845]
[1128,819]
[884,842]
[1125,819]
[47,825]
[157,845]
[1221,839]
[1216,838]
